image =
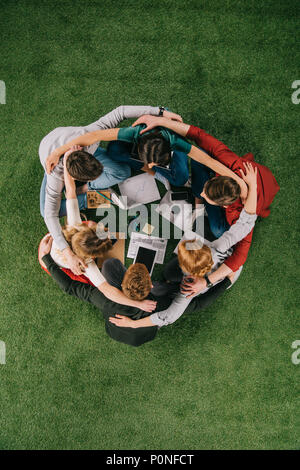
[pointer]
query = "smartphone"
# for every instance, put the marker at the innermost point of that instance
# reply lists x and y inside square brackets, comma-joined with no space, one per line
[180,196]
[147,257]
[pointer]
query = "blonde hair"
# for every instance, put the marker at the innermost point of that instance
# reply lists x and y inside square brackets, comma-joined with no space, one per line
[194,259]
[85,243]
[137,282]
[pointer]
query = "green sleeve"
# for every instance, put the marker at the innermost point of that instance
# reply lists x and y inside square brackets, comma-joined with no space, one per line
[130,134]
[176,141]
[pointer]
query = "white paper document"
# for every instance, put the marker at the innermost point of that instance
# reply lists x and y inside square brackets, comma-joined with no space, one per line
[177,212]
[159,244]
[140,189]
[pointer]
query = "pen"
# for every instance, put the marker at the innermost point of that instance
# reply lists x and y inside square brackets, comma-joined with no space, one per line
[105,197]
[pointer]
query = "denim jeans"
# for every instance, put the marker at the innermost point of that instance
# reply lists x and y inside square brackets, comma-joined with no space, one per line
[216,214]
[113,173]
[177,174]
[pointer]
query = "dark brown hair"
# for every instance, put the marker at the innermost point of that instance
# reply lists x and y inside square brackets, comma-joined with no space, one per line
[154,148]
[83,166]
[137,282]
[222,190]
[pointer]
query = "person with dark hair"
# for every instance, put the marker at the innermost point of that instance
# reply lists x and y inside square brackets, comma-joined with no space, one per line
[83,166]
[89,164]
[89,241]
[221,217]
[89,293]
[153,154]
[126,148]
[196,265]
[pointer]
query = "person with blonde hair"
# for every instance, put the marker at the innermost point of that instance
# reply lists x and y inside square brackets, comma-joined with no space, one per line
[87,244]
[196,262]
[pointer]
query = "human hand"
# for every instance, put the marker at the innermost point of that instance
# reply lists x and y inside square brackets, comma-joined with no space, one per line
[146,305]
[250,175]
[51,161]
[173,116]
[192,288]
[121,320]
[150,121]
[45,248]
[76,264]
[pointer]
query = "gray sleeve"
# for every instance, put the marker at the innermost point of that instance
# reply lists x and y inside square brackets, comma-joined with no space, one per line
[236,233]
[172,313]
[113,119]
[54,189]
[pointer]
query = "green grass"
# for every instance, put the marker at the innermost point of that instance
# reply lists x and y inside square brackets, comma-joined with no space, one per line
[222,378]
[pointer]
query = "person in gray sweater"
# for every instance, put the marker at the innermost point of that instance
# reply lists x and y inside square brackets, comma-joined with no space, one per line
[107,171]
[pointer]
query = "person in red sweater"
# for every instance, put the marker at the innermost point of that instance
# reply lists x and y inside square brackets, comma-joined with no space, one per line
[267,187]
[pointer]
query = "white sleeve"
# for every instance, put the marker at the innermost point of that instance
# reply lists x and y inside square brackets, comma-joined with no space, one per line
[173,312]
[236,233]
[94,274]
[73,214]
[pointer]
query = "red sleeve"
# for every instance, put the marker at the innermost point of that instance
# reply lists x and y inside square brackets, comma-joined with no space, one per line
[240,253]
[213,146]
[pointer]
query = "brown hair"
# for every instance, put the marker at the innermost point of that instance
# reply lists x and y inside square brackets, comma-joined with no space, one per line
[85,243]
[193,259]
[83,166]
[137,282]
[223,190]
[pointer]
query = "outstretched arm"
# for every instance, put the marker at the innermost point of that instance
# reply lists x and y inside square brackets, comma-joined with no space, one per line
[165,317]
[84,291]
[246,221]
[119,114]
[84,140]
[115,295]
[155,121]
[108,122]
[195,153]
[202,157]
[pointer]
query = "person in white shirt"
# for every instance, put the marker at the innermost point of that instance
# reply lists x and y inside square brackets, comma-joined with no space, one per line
[196,264]
[84,241]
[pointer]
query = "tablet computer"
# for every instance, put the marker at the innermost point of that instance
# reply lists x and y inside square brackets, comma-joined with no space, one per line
[146,256]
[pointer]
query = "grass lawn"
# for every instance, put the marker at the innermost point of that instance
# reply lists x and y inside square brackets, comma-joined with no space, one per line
[219,379]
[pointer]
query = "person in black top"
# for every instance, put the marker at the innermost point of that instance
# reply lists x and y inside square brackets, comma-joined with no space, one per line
[89,293]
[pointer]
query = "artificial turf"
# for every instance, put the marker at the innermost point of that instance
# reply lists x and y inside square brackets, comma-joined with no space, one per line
[218,379]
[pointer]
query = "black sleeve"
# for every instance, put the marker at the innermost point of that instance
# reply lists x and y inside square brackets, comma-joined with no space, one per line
[206,299]
[68,285]
[86,292]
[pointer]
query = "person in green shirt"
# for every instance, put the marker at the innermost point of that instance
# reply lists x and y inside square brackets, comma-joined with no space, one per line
[161,153]
[150,153]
